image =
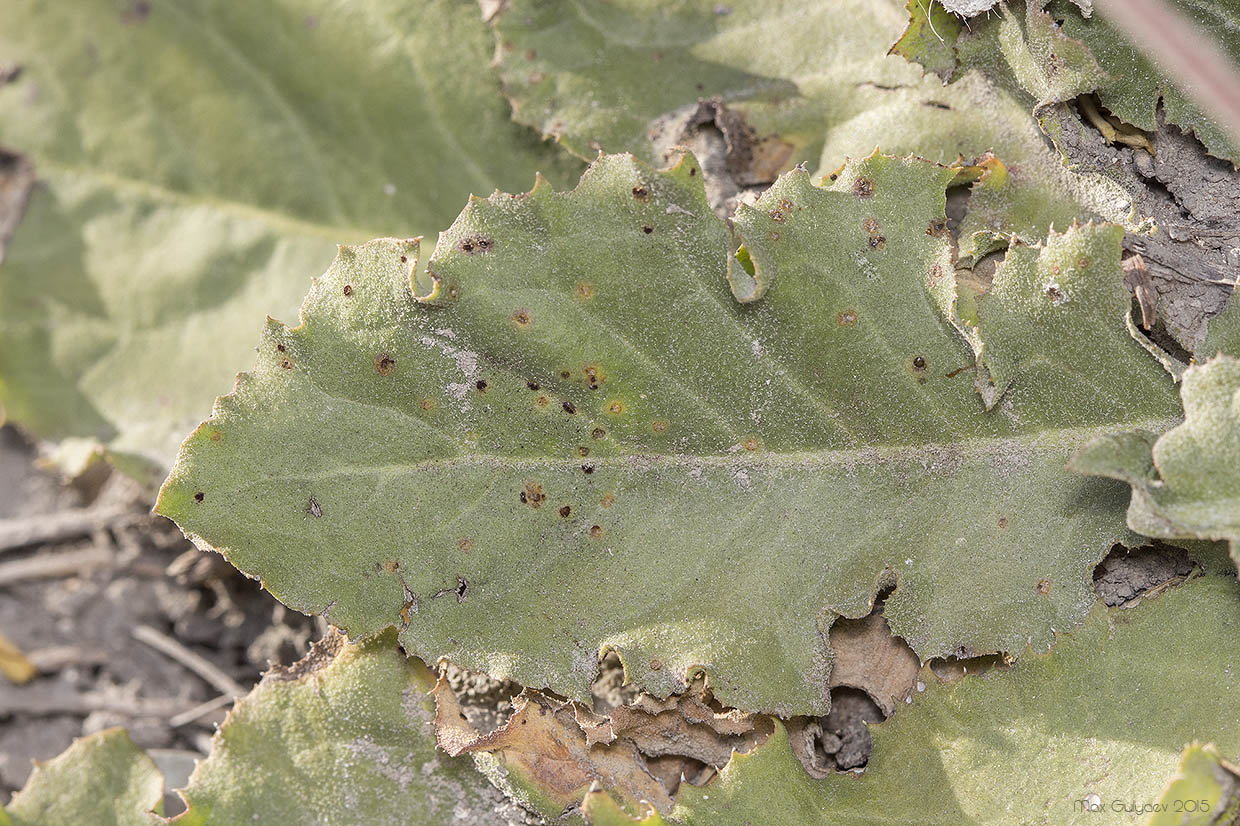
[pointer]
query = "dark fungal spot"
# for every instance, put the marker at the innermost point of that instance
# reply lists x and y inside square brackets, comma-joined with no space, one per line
[846,318]
[384,364]
[565,511]
[877,242]
[481,385]
[280,347]
[870,225]
[533,385]
[348,290]
[919,363]
[1043,587]
[569,408]
[936,227]
[404,259]
[596,531]
[587,469]
[475,244]
[522,318]
[640,193]
[583,451]
[1082,263]
[199,496]
[286,364]
[1052,292]
[564,374]
[785,205]
[646,228]
[863,187]
[777,216]
[692,171]
[598,433]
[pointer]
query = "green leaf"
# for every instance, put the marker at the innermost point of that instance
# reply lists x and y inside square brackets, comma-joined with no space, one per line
[197,161]
[344,737]
[1185,483]
[1222,333]
[1099,721]
[1206,791]
[102,779]
[580,440]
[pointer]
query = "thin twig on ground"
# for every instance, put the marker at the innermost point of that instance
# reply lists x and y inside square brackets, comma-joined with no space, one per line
[47,566]
[194,662]
[58,527]
[199,710]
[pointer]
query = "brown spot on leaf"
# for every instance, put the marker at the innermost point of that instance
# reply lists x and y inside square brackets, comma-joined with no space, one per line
[1003,523]
[646,228]
[533,385]
[384,364]
[532,495]
[584,290]
[565,511]
[542,401]
[199,496]
[1082,263]
[1043,587]
[774,236]
[569,408]
[607,501]
[280,347]
[658,426]
[390,566]
[751,444]
[286,364]
[863,187]
[656,664]
[785,205]
[348,290]
[216,435]
[936,275]
[582,450]
[877,242]
[481,385]
[475,245]
[596,531]
[919,363]
[777,216]
[870,225]
[522,318]
[846,318]
[465,544]
[640,193]
[427,404]
[598,433]
[615,408]
[587,469]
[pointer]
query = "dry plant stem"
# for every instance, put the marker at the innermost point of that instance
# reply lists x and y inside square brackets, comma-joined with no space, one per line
[195,663]
[199,710]
[1174,42]
[56,527]
[54,565]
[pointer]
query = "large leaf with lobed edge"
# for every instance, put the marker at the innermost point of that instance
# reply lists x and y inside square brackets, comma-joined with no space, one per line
[581,439]
[1090,732]
[198,161]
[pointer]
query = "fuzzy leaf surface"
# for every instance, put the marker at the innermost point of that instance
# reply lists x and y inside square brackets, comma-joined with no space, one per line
[342,738]
[102,779]
[581,440]
[196,161]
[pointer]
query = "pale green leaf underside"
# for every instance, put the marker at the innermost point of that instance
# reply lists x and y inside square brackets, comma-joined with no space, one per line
[198,160]
[753,468]
[1186,483]
[352,743]
[102,780]
[1106,712]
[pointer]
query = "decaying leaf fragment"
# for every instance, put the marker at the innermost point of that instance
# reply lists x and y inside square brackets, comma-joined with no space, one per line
[551,752]
[1206,792]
